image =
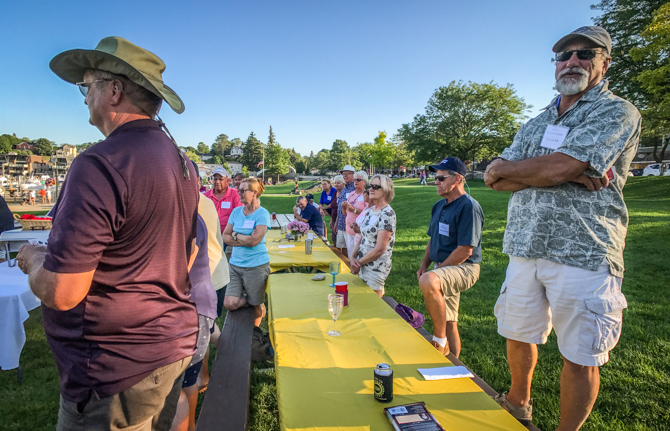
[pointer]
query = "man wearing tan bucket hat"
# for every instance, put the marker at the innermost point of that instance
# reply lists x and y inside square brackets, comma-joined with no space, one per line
[113,279]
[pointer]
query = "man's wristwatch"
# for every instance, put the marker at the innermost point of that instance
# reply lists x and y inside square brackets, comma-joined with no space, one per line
[234,236]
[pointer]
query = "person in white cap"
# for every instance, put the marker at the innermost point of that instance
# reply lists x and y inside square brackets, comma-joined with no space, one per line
[566,228]
[348,176]
[225,198]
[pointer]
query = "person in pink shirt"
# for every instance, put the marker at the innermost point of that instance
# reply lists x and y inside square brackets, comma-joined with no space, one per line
[225,198]
[353,207]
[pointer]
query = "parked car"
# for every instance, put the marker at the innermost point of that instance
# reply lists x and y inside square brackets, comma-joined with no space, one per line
[655,170]
[636,172]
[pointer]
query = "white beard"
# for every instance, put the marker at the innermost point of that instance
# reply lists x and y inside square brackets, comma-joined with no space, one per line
[572,86]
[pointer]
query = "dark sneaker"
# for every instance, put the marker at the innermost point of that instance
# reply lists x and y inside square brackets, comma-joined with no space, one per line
[443,350]
[523,414]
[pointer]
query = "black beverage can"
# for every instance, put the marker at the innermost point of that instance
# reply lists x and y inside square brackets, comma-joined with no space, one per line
[384,383]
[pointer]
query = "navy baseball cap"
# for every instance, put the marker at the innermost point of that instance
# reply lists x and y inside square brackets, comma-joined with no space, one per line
[450,164]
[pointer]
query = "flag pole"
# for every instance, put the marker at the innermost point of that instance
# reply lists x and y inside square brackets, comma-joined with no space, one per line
[263,148]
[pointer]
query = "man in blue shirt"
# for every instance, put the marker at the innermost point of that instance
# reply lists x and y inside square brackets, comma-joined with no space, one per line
[455,249]
[309,214]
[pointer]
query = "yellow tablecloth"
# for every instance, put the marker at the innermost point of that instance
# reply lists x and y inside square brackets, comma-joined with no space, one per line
[326,383]
[282,258]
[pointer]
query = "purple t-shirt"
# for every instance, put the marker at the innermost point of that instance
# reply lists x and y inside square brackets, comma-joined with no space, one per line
[127,212]
[202,290]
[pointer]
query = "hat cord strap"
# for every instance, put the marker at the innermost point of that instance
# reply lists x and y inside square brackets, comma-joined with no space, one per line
[184,164]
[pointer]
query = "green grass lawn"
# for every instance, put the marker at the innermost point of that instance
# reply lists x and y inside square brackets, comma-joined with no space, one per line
[635,386]
[284,189]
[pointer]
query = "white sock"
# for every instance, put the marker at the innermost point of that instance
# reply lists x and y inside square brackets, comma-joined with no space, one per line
[441,341]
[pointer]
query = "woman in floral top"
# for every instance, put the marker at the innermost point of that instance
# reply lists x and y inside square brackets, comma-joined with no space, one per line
[372,254]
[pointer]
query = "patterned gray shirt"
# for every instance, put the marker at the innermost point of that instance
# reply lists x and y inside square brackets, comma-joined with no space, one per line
[341,218]
[567,223]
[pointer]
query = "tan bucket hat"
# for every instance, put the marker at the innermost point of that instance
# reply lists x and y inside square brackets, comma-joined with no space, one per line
[117,55]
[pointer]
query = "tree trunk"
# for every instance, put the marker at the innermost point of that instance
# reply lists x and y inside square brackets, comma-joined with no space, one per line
[664,146]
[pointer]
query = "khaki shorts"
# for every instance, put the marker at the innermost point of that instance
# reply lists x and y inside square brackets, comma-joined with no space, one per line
[454,280]
[250,282]
[584,307]
[148,406]
[341,239]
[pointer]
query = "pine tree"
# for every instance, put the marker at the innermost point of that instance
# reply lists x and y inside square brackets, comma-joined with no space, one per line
[253,153]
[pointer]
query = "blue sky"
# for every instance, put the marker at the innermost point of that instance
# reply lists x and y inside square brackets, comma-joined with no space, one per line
[315,70]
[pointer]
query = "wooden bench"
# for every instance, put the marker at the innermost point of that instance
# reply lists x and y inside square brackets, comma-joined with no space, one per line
[226,403]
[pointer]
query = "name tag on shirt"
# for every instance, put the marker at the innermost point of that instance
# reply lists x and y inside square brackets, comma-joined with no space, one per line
[554,136]
[347,196]
[329,198]
[373,221]
[248,224]
[225,205]
[444,229]
[360,198]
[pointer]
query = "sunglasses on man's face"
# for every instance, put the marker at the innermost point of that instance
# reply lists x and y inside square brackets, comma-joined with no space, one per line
[84,86]
[441,178]
[582,54]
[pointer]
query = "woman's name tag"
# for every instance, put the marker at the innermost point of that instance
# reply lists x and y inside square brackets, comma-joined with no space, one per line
[248,224]
[373,221]
[360,199]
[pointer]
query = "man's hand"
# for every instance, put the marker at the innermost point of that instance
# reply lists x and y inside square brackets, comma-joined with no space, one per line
[422,270]
[489,175]
[591,183]
[26,256]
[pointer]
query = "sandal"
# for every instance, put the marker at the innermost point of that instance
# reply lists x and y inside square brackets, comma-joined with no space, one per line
[523,414]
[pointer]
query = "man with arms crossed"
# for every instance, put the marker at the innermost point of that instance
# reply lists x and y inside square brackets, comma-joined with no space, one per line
[114,278]
[455,249]
[566,227]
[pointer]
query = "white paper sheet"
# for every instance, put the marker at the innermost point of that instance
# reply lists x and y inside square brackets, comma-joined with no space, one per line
[286,246]
[442,373]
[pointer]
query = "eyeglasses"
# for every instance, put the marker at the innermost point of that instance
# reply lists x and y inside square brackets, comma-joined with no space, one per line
[244,190]
[582,54]
[83,86]
[359,179]
[374,186]
[441,178]
[219,179]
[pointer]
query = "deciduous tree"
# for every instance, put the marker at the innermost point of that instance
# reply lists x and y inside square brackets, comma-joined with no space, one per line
[466,121]
[221,145]
[43,146]
[625,20]
[203,148]
[656,79]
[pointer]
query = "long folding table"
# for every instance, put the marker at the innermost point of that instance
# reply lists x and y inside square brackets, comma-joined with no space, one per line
[326,383]
[288,254]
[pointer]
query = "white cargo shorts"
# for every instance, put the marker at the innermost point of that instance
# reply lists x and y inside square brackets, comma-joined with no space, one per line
[584,307]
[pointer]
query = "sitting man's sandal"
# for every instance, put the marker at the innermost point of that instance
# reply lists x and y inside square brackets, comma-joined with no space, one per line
[443,350]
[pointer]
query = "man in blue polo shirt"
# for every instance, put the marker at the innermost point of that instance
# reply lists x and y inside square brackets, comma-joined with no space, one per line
[309,214]
[455,249]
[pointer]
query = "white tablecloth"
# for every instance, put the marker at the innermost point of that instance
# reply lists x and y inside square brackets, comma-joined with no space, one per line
[16,299]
